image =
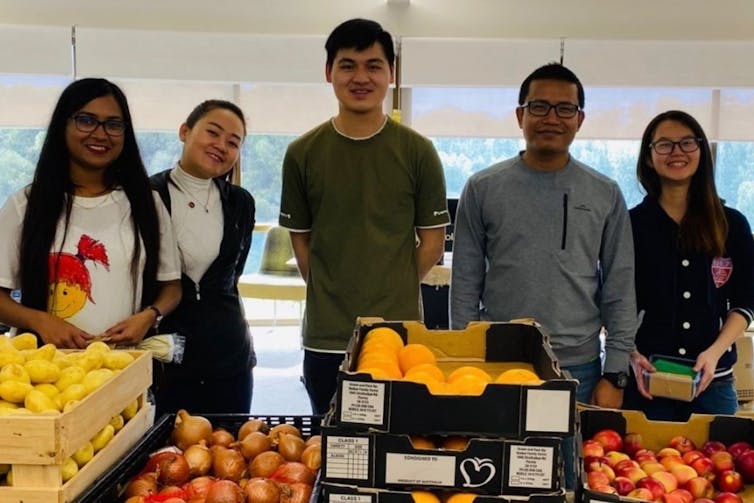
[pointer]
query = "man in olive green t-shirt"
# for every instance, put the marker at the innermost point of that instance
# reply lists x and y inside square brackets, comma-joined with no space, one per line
[364,199]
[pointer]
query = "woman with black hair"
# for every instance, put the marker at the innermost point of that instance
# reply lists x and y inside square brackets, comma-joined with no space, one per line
[694,270]
[87,242]
[213,221]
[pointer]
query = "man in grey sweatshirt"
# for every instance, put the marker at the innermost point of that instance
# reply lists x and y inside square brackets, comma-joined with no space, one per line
[542,235]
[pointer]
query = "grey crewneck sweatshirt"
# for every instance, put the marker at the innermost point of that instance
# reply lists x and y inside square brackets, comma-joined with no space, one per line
[555,246]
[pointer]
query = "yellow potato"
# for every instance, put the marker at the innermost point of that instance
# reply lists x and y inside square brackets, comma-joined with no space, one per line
[46,352]
[25,340]
[14,372]
[116,360]
[88,361]
[70,375]
[48,389]
[83,454]
[103,437]
[98,347]
[73,392]
[68,469]
[36,401]
[130,411]
[11,355]
[42,371]
[117,422]
[94,379]
[14,391]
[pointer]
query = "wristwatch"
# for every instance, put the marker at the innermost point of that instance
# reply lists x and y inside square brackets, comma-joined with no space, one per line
[158,317]
[617,379]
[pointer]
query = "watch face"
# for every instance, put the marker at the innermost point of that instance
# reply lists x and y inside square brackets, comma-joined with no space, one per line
[622,380]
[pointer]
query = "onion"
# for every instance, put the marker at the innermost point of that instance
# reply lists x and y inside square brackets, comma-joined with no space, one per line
[290,446]
[174,499]
[198,487]
[265,464]
[252,425]
[282,428]
[143,485]
[254,444]
[173,470]
[314,439]
[190,429]
[312,457]
[228,464]
[295,493]
[221,437]
[261,490]
[224,491]
[292,472]
[135,499]
[199,459]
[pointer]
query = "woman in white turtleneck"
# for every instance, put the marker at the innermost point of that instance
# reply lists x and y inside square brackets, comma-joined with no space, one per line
[213,222]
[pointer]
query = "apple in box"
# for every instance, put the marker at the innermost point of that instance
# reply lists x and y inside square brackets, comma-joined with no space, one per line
[682,444]
[654,486]
[592,448]
[679,496]
[700,487]
[623,485]
[723,460]
[729,481]
[745,465]
[711,446]
[632,443]
[726,497]
[609,439]
[738,448]
[642,493]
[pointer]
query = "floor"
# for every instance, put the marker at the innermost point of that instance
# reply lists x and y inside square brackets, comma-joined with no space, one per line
[278,389]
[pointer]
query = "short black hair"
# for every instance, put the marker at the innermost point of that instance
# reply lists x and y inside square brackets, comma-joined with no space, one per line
[207,106]
[359,34]
[551,71]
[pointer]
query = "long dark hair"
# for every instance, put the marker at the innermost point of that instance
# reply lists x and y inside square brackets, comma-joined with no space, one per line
[50,196]
[704,228]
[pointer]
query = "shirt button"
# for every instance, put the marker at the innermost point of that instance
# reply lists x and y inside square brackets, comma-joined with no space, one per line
[681,351]
[686,325]
[686,295]
[685,263]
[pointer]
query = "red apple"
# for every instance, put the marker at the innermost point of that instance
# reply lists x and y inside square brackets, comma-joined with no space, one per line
[592,448]
[682,443]
[624,464]
[729,481]
[634,474]
[614,457]
[679,495]
[690,456]
[668,451]
[652,467]
[745,465]
[594,463]
[667,479]
[654,486]
[683,473]
[605,489]
[704,467]
[643,455]
[632,442]
[699,487]
[610,440]
[711,446]
[642,493]
[704,500]
[597,478]
[604,468]
[722,460]
[728,498]
[623,485]
[738,448]
[670,461]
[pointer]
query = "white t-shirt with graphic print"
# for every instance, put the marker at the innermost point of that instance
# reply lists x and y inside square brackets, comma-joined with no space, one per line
[94,290]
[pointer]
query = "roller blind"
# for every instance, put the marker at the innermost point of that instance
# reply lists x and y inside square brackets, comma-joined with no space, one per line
[35,50]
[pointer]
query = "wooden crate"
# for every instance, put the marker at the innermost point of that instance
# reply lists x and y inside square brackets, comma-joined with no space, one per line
[43,483]
[49,439]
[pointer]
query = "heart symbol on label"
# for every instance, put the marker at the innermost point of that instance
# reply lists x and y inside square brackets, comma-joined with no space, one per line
[478,466]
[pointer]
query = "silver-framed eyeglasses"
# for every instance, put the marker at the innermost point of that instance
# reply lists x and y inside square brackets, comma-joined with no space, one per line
[88,123]
[540,108]
[664,147]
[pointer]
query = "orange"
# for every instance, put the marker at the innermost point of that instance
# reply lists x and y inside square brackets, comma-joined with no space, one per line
[412,355]
[376,372]
[468,384]
[424,497]
[434,386]
[455,443]
[428,368]
[383,352]
[518,376]
[422,443]
[380,361]
[461,498]
[378,345]
[386,336]
[469,370]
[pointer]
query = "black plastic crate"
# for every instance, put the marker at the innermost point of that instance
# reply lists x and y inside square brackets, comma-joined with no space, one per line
[110,487]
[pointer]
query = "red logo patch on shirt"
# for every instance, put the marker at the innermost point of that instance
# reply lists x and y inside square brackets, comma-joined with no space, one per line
[722,268]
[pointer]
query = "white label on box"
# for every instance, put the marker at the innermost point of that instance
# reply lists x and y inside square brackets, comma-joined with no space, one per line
[530,466]
[548,410]
[362,402]
[349,498]
[347,458]
[420,469]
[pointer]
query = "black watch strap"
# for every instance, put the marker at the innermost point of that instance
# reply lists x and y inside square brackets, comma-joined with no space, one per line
[617,379]
[158,317]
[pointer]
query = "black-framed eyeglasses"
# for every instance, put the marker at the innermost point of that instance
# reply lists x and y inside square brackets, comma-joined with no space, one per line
[664,147]
[88,123]
[540,108]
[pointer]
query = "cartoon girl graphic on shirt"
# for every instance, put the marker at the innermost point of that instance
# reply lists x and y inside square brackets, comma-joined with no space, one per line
[70,283]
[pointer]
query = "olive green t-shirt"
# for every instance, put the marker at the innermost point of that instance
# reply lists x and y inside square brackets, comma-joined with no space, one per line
[361,200]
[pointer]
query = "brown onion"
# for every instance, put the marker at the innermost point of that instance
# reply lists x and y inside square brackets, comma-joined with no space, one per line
[173,470]
[190,429]
[295,493]
[222,437]
[314,439]
[224,491]
[254,444]
[290,446]
[292,472]
[261,490]
[199,459]
[312,457]
[282,428]
[198,487]
[228,464]
[265,464]
[143,485]
[252,425]
[135,499]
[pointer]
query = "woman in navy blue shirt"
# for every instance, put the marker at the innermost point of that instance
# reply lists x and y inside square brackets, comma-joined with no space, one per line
[694,270]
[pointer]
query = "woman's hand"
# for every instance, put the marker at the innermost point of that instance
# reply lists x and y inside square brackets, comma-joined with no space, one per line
[132,330]
[706,363]
[54,330]
[641,364]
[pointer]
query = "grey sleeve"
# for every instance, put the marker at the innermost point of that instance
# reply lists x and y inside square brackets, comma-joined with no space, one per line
[468,268]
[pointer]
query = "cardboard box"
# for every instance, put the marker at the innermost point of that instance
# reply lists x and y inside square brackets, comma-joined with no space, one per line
[743,370]
[668,385]
[504,410]
[36,445]
[657,434]
[486,465]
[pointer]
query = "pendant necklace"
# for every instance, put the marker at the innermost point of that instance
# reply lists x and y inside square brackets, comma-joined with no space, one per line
[190,192]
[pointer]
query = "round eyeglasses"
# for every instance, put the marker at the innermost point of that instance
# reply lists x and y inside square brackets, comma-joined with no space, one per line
[664,147]
[540,108]
[88,123]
